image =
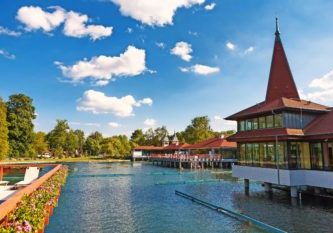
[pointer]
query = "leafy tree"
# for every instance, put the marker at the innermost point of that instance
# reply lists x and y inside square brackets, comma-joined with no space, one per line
[159,134]
[20,114]
[92,145]
[116,146]
[4,145]
[138,137]
[198,130]
[57,138]
[80,136]
[72,143]
[40,144]
[149,137]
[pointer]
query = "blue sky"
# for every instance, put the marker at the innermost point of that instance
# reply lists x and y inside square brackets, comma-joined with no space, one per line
[115,67]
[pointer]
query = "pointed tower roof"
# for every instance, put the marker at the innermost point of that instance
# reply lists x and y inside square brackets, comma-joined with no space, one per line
[281,82]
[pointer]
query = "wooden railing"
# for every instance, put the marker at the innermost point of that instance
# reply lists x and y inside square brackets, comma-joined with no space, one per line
[185,157]
[10,204]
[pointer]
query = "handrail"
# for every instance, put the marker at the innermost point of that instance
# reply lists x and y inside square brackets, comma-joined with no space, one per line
[230,213]
[10,204]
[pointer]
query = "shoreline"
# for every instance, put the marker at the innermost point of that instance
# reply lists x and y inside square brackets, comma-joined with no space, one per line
[66,160]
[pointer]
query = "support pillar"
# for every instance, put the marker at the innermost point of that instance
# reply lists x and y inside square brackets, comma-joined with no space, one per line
[247,186]
[268,187]
[293,192]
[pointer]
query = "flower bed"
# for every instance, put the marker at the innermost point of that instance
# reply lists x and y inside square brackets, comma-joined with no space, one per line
[33,212]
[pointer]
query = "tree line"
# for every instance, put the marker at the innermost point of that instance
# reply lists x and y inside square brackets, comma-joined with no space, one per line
[18,138]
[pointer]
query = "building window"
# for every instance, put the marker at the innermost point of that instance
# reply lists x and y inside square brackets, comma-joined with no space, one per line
[304,155]
[269,121]
[241,125]
[293,148]
[262,122]
[316,155]
[263,154]
[248,154]
[255,124]
[281,155]
[278,121]
[249,124]
[270,158]
[255,154]
[328,156]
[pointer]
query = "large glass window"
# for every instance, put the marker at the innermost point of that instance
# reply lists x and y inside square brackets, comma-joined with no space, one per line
[255,154]
[262,122]
[316,155]
[293,149]
[248,154]
[304,155]
[328,156]
[278,121]
[255,124]
[270,159]
[249,124]
[263,153]
[269,121]
[281,154]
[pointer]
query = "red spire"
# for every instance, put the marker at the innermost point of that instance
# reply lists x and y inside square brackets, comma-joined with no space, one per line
[281,82]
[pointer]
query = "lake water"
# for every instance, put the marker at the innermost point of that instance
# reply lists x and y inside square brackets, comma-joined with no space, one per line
[142,199]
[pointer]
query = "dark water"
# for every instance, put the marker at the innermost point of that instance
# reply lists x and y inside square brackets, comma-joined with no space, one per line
[141,200]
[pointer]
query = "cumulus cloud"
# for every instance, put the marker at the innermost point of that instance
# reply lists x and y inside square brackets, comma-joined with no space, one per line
[149,122]
[183,50]
[210,7]
[98,103]
[6,54]
[35,18]
[103,68]
[154,13]
[230,46]
[8,32]
[201,69]
[321,89]
[75,26]
[219,124]
[114,124]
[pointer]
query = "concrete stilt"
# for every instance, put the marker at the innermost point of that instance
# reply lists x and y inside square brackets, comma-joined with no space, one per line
[268,187]
[246,186]
[293,192]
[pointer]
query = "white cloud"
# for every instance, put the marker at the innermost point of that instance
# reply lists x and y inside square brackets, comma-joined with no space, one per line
[249,50]
[196,34]
[103,68]
[89,124]
[152,12]
[149,122]
[114,124]
[75,26]
[201,69]
[98,103]
[6,54]
[146,101]
[35,18]
[6,31]
[183,50]
[210,7]
[321,89]
[160,45]
[220,124]
[230,46]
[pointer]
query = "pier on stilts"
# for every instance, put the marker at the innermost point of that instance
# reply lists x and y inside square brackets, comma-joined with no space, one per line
[191,161]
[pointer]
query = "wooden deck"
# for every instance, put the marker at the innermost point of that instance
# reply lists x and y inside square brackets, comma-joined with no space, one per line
[191,161]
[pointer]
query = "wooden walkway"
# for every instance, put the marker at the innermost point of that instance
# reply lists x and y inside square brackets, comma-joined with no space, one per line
[191,161]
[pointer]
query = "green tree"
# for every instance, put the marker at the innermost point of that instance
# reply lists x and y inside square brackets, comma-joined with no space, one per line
[80,135]
[92,145]
[198,130]
[138,137]
[72,143]
[20,114]
[4,145]
[57,138]
[40,145]
[159,134]
[116,146]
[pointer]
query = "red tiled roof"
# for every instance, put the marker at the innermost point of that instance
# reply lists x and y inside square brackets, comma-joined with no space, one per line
[265,134]
[278,104]
[281,82]
[151,148]
[176,147]
[320,125]
[216,142]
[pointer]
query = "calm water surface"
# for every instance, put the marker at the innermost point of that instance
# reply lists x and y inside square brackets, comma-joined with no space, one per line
[142,199]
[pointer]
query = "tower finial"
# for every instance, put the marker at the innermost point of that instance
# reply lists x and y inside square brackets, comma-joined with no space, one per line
[277,30]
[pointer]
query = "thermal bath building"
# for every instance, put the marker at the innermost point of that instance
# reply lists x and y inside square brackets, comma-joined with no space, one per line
[285,140]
